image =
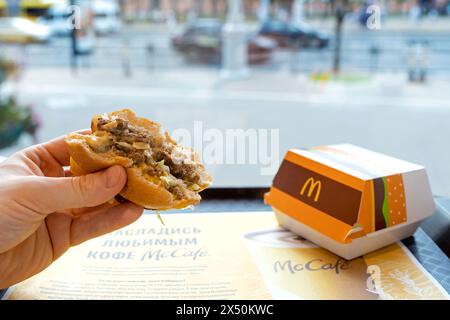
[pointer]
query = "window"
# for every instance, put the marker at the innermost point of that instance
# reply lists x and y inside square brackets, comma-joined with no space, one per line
[379,82]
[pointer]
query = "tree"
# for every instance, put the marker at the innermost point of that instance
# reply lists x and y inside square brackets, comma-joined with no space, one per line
[340,9]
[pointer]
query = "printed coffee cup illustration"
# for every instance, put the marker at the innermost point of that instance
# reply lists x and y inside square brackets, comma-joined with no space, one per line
[294,268]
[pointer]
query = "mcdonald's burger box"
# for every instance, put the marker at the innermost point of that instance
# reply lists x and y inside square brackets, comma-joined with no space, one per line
[349,200]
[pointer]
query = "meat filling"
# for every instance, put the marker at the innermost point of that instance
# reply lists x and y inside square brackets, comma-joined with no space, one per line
[183,170]
[124,139]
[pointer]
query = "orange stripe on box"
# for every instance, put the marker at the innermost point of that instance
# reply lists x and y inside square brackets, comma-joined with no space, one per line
[396,200]
[308,215]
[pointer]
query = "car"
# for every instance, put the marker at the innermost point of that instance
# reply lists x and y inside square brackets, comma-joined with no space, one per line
[106,17]
[57,19]
[22,31]
[299,35]
[202,42]
[3,8]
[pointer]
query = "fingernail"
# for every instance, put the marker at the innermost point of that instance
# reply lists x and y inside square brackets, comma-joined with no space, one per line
[114,176]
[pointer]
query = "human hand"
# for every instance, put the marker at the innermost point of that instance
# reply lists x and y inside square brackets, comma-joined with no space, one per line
[44,211]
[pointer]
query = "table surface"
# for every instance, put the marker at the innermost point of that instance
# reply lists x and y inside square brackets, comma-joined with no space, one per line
[421,245]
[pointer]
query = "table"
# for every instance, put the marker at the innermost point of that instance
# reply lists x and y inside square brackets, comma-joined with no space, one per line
[430,244]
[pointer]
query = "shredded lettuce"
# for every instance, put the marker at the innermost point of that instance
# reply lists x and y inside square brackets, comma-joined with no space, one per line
[160,218]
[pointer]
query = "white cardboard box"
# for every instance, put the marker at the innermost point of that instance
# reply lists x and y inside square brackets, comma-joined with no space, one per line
[349,200]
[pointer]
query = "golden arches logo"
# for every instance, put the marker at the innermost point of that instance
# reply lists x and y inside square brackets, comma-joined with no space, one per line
[313,185]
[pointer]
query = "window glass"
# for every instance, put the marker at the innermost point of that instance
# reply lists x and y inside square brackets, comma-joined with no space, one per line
[240,85]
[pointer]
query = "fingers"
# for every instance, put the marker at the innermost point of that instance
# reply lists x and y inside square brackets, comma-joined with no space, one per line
[47,195]
[74,213]
[59,150]
[46,158]
[94,225]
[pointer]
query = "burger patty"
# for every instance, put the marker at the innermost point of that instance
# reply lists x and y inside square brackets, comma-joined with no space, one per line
[123,131]
[185,171]
[138,145]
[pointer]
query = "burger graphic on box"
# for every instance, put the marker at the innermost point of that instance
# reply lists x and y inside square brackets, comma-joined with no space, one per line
[349,200]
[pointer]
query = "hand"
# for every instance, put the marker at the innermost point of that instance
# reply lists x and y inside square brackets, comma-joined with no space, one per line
[44,211]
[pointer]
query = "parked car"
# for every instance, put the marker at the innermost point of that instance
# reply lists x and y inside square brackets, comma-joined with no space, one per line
[34,9]
[101,15]
[22,31]
[3,8]
[57,19]
[202,42]
[298,36]
[106,17]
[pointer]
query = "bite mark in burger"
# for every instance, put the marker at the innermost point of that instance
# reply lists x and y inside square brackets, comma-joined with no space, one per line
[161,174]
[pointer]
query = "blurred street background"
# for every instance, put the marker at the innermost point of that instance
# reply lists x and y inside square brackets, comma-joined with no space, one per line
[371,73]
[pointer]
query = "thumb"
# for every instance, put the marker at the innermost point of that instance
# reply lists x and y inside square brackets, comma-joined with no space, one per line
[77,192]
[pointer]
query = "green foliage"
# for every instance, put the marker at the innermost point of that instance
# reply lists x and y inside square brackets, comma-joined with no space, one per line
[14,119]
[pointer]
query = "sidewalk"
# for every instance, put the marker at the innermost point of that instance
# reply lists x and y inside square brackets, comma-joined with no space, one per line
[386,89]
[388,24]
[381,112]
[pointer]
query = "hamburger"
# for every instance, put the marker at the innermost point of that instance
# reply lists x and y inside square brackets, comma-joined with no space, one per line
[162,174]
